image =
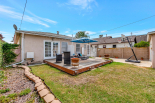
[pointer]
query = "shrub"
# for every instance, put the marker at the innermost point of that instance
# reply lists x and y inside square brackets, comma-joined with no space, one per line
[8,53]
[142,44]
[4,90]
[24,92]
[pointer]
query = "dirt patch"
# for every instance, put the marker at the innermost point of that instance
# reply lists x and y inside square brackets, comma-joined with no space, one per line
[16,82]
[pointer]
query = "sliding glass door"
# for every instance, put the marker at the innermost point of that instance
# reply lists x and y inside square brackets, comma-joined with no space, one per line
[51,48]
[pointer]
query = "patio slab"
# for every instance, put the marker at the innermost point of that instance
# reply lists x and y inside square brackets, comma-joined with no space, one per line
[142,64]
[84,65]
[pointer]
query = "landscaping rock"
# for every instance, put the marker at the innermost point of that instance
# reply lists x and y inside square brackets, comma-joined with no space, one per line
[56,101]
[49,98]
[38,84]
[43,93]
[41,87]
[38,80]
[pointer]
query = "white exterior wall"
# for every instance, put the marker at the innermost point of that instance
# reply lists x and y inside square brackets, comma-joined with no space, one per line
[118,45]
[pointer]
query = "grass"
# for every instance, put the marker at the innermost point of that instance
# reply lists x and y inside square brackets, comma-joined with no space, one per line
[13,95]
[2,76]
[115,82]
[24,92]
[4,90]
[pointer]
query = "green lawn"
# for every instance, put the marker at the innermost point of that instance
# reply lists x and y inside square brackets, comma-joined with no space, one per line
[115,82]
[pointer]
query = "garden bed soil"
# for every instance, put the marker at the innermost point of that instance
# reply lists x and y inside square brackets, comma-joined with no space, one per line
[16,82]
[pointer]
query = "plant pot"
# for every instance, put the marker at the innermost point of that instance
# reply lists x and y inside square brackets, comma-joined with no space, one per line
[116,57]
[75,61]
[106,56]
[141,58]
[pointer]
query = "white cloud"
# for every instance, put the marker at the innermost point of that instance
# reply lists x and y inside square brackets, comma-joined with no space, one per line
[9,12]
[90,32]
[67,31]
[103,31]
[84,4]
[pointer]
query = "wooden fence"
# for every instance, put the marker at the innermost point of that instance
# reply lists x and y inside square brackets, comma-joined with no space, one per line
[124,52]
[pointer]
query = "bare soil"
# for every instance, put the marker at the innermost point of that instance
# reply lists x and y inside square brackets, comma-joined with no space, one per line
[16,81]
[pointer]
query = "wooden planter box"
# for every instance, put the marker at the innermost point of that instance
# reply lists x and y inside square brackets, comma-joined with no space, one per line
[75,61]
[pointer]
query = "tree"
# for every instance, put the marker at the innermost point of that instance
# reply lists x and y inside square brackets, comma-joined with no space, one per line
[8,55]
[81,34]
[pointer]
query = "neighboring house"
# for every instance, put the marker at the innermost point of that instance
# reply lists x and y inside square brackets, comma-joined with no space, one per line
[151,39]
[140,38]
[45,45]
[109,42]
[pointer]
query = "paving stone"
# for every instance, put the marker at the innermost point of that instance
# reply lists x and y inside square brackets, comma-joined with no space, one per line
[38,80]
[49,98]
[31,77]
[56,101]
[34,79]
[41,87]
[43,93]
[38,84]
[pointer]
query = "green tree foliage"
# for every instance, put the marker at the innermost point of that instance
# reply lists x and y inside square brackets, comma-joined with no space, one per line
[142,44]
[8,53]
[81,34]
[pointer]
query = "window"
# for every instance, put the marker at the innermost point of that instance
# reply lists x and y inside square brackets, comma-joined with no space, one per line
[88,49]
[85,46]
[104,46]
[64,46]
[114,46]
[77,48]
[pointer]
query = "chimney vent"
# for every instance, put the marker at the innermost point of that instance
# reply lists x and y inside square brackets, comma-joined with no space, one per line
[58,32]
[106,35]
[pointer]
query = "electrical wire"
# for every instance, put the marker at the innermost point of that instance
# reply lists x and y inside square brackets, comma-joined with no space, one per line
[126,24]
[23,14]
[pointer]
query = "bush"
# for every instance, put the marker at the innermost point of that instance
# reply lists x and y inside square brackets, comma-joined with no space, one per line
[142,44]
[24,92]
[8,53]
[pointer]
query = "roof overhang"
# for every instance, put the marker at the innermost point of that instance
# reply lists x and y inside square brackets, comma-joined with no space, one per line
[47,34]
[149,35]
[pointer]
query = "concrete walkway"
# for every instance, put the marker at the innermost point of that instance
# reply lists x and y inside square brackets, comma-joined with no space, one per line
[142,64]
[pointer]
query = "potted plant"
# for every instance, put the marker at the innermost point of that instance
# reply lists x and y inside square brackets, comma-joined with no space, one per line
[116,56]
[106,56]
[142,58]
[99,55]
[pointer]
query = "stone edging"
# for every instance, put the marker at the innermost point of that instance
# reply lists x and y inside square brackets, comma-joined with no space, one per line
[42,89]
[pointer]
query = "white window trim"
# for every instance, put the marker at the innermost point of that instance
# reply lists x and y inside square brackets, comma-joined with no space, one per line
[51,48]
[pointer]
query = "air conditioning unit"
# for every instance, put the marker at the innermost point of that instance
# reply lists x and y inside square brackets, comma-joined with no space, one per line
[30,55]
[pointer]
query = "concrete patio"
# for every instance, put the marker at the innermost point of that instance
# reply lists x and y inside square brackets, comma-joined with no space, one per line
[142,64]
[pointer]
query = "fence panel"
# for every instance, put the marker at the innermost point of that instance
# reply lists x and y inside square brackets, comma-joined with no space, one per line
[124,52]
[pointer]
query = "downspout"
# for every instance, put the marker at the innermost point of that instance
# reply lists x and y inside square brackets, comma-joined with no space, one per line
[22,47]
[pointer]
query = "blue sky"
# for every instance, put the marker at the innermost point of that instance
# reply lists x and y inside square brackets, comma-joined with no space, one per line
[71,16]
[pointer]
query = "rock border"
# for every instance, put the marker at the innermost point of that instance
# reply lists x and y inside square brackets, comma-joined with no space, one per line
[42,89]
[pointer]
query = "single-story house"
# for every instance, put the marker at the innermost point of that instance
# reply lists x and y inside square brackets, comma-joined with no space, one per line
[151,39]
[45,45]
[109,42]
